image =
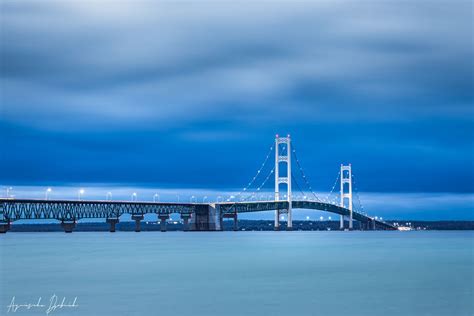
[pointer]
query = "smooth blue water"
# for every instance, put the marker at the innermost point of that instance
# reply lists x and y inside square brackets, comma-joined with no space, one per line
[241,273]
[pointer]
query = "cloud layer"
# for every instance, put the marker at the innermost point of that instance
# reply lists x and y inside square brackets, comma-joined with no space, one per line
[192,93]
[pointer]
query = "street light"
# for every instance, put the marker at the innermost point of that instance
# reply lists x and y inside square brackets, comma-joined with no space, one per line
[219,197]
[177,195]
[204,199]
[48,190]
[108,197]
[192,198]
[80,194]
[8,191]
[134,196]
[156,197]
[329,217]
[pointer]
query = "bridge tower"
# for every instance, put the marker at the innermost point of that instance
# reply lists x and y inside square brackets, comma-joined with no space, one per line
[286,158]
[346,177]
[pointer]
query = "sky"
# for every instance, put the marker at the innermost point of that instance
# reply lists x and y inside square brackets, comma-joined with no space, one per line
[187,96]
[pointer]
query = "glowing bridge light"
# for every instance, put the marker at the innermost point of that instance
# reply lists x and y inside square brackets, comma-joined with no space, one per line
[48,191]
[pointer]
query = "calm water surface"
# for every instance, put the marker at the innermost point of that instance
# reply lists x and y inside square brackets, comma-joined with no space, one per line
[240,273]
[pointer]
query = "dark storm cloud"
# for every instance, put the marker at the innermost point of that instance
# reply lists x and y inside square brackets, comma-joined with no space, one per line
[175,92]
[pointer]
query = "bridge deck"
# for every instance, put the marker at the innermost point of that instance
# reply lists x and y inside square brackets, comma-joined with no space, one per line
[16,209]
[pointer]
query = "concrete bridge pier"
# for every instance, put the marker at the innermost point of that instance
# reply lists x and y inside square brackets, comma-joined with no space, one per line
[185,218]
[236,222]
[289,226]
[277,220]
[4,227]
[68,225]
[112,221]
[221,221]
[137,218]
[372,224]
[163,218]
[206,218]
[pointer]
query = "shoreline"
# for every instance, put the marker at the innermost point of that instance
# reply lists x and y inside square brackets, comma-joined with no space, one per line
[244,225]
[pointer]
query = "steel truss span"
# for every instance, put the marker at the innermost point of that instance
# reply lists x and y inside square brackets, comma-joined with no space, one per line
[74,210]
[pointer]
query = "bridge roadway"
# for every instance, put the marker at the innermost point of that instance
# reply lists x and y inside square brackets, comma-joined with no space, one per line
[196,216]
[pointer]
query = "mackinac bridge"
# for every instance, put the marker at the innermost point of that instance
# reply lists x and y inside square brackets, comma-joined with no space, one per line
[342,200]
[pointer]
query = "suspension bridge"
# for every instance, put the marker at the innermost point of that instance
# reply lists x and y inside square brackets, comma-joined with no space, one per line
[210,216]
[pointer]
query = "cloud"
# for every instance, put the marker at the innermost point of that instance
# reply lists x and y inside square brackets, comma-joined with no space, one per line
[153,63]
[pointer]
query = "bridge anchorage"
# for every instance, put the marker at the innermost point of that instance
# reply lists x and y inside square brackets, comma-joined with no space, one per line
[208,216]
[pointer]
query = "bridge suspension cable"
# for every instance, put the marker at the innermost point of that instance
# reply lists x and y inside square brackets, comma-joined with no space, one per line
[266,179]
[259,171]
[361,207]
[305,178]
[298,186]
[258,189]
[328,198]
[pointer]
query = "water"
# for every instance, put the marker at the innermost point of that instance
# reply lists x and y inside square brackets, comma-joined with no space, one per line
[241,273]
